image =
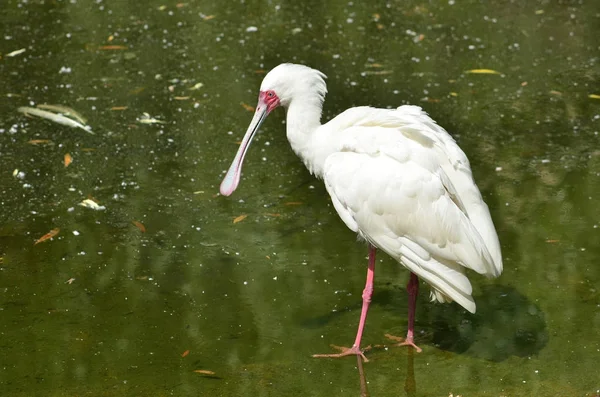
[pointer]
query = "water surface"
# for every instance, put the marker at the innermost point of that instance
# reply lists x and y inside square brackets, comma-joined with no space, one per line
[106,308]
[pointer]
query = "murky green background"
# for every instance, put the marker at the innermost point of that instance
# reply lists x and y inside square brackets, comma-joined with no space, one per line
[253,300]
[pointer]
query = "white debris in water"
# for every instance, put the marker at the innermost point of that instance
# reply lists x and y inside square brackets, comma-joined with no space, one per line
[75,232]
[64,70]
[251,29]
[275,278]
[545,161]
[498,169]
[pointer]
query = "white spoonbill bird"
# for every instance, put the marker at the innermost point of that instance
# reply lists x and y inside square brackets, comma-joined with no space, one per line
[396,178]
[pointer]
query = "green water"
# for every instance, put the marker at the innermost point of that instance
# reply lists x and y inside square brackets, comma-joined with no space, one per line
[252,300]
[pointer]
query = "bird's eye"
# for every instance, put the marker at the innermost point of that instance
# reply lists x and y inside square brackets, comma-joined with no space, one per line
[270,94]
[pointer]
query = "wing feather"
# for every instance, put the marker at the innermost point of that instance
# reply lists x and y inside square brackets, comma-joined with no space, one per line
[402,207]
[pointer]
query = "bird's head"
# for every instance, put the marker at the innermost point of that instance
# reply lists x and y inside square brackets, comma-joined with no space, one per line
[280,87]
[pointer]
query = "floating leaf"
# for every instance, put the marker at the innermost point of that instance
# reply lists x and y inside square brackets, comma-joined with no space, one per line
[68,159]
[185,353]
[240,218]
[204,372]
[38,141]
[293,203]
[118,108]
[453,94]
[89,203]
[54,117]
[181,98]
[147,119]
[207,17]
[65,110]
[196,86]
[140,226]
[594,96]
[16,172]
[70,281]
[247,107]
[482,71]
[15,53]
[47,236]
[554,92]
[272,214]
[551,241]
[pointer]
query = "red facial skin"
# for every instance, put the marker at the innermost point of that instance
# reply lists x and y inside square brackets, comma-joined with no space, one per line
[269,98]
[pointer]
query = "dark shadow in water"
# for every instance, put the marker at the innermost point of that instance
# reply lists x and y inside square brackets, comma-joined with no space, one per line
[506,323]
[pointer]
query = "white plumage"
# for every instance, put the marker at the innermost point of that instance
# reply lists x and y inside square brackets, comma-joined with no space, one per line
[395,177]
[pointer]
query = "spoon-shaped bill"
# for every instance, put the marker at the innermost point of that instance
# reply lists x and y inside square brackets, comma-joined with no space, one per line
[232,178]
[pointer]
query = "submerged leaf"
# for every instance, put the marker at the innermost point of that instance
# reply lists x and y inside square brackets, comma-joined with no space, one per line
[38,141]
[247,107]
[240,218]
[112,47]
[185,353]
[140,226]
[47,236]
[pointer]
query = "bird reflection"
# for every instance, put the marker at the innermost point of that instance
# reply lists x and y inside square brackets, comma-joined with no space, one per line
[363,379]
[410,385]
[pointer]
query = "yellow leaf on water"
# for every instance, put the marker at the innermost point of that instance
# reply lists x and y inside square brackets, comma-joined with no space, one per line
[594,96]
[118,108]
[68,159]
[240,218]
[185,353]
[482,71]
[204,372]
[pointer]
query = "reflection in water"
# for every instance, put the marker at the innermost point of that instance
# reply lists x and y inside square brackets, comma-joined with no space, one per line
[363,379]
[410,384]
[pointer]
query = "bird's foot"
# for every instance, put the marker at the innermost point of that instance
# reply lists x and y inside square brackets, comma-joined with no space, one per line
[404,342]
[345,351]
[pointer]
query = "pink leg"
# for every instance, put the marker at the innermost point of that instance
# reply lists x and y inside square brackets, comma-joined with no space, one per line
[413,289]
[366,297]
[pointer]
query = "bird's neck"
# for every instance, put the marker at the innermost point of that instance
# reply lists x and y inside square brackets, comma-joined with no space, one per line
[303,120]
